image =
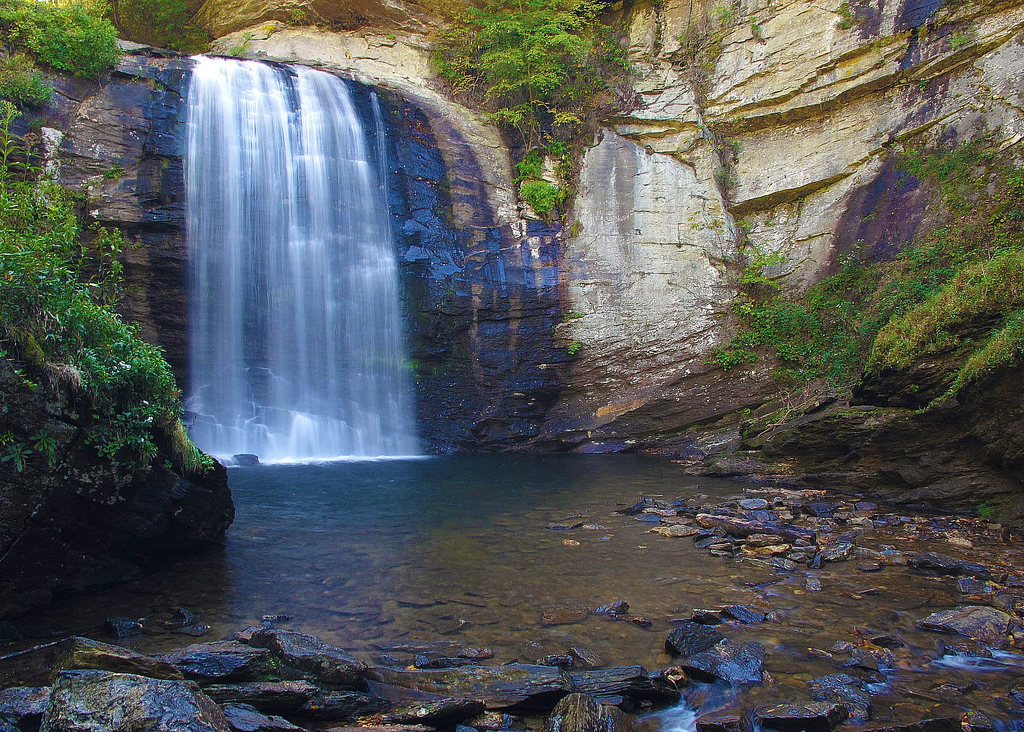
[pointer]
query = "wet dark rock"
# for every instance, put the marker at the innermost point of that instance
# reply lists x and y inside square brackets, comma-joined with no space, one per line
[492,721]
[245,718]
[846,690]
[742,528]
[340,706]
[563,614]
[820,509]
[887,640]
[637,507]
[812,584]
[562,660]
[706,617]
[735,663]
[425,661]
[743,614]
[810,717]
[187,617]
[580,713]
[641,620]
[383,728]
[940,564]
[688,639]
[122,627]
[246,459]
[585,658]
[24,705]
[782,564]
[869,566]
[619,607]
[312,656]
[978,622]
[95,701]
[278,618]
[513,687]
[84,653]
[835,553]
[195,631]
[222,661]
[628,681]
[723,723]
[436,712]
[266,696]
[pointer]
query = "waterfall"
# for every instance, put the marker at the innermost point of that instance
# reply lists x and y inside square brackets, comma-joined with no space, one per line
[296,338]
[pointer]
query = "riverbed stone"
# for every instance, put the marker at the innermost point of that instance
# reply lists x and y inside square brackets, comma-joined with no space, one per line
[84,653]
[266,696]
[312,656]
[101,701]
[513,687]
[581,713]
[24,705]
[221,661]
[728,661]
[978,622]
[843,689]
[689,638]
[246,718]
[941,564]
[808,717]
[435,712]
[563,614]
[633,682]
[340,706]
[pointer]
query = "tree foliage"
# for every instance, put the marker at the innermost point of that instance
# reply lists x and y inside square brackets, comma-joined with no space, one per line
[541,68]
[163,23]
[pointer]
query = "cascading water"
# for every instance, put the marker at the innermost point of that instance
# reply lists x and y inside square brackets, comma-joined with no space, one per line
[296,339]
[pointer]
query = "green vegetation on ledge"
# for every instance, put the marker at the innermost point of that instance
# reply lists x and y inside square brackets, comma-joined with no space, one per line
[960,287]
[163,23]
[57,321]
[71,36]
[544,70]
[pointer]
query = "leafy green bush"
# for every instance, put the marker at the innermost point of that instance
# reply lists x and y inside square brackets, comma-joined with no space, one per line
[22,82]
[55,312]
[540,67]
[68,36]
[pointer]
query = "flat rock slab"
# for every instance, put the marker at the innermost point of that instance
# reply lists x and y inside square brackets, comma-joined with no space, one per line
[580,713]
[513,687]
[266,696]
[728,661]
[810,717]
[246,718]
[341,706]
[222,661]
[723,723]
[689,638]
[443,712]
[978,622]
[629,681]
[84,653]
[563,614]
[311,655]
[940,564]
[101,701]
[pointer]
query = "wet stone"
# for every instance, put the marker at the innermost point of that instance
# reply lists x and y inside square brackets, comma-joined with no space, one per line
[812,717]
[563,614]
[812,584]
[618,607]
[723,723]
[743,614]
[222,661]
[728,661]
[765,540]
[633,682]
[843,689]
[245,718]
[821,509]
[122,627]
[688,639]
[84,653]
[940,564]
[438,712]
[581,713]
[341,706]
[978,622]
[869,566]
[24,705]
[753,504]
[706,617]
[266,696]
[312,656]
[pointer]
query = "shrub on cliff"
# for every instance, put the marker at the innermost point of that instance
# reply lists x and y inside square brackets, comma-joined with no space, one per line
[57,317]
[164,23]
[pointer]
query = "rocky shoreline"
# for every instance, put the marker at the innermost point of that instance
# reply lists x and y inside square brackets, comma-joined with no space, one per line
[270,678]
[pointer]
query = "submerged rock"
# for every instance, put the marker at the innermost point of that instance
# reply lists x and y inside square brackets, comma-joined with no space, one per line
[514,687]
[122,627]
[100,701]
[978,622]
[563,614]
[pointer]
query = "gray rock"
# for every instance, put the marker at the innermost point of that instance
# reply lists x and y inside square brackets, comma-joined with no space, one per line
[24,705]
[633,682]
[688,639]
[723,723]
[753,504]
[222,661]
[245,718]
[978,622]
[100,701]
[810,717]
[340,706]
[737,664]
[312,656]
[940,564]
[266,696]
[846,690]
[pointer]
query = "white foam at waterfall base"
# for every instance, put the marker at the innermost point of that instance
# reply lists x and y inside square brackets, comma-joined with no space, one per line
[296,349]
